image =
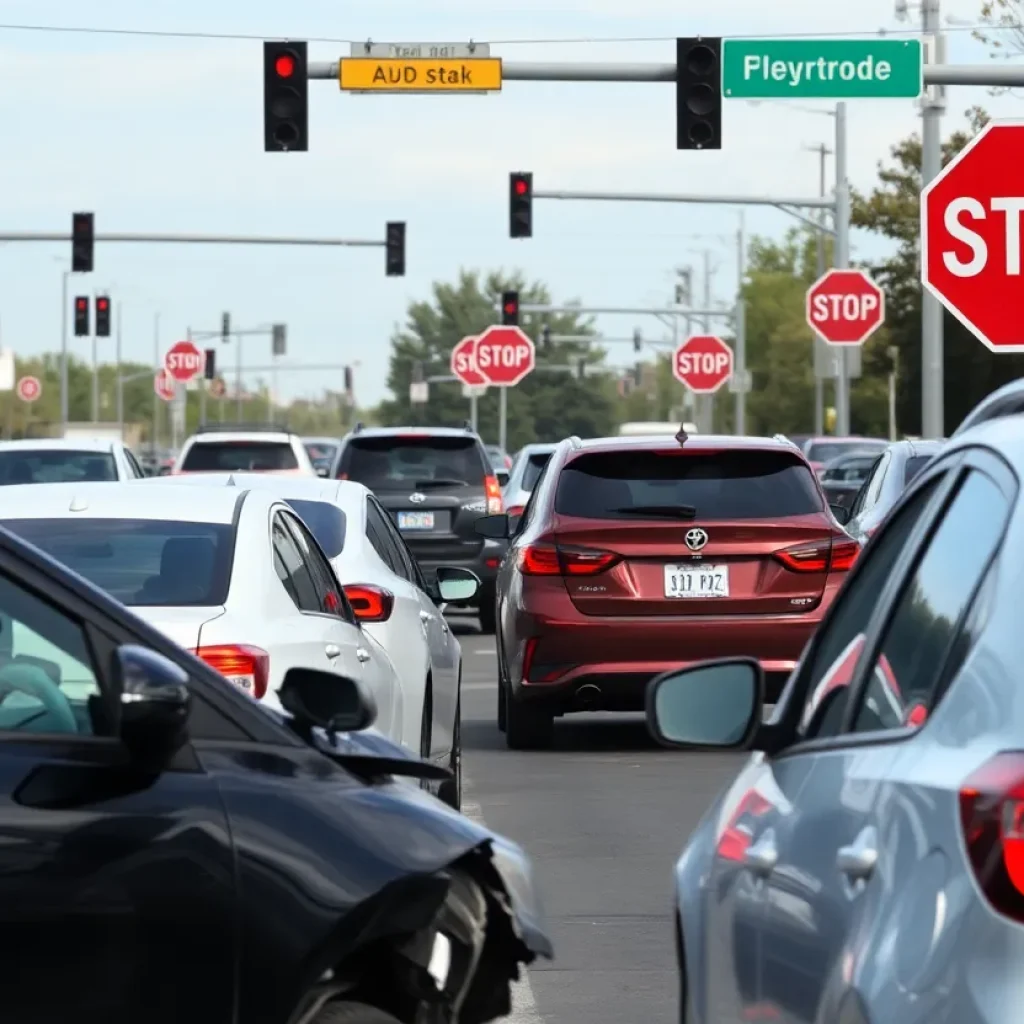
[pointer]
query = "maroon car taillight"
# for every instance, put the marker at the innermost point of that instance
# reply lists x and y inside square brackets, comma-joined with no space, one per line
[825,557]
[552,560]
[992,819]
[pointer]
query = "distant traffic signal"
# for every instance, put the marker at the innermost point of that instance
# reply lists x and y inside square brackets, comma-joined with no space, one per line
[521,205]
[510,309]
[699,93]
[102,316]
[210,364]
[348,380]
[225,328]
[545,336]
[581,368]
[285,98]
[638,340]
[82,240]
[82,316]
[394,243]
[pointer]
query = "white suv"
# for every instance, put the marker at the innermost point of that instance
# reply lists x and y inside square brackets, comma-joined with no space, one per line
[234,448]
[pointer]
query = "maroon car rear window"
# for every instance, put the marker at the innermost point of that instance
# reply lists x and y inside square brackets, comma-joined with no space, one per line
[719,485]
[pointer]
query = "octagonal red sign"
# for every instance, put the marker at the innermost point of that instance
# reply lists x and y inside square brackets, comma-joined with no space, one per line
[703,363]
[845,307]
[464,363]
[504,355]
[971,238]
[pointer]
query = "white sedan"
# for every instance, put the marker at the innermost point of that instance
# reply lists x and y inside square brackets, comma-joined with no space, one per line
[390,596]
[49,460]
[230,573]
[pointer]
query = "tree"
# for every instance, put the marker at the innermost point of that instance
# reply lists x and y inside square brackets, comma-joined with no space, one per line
[1004,27]
[548,404]
[893,211]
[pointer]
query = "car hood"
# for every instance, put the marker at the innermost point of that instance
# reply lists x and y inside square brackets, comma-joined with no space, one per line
[436,836]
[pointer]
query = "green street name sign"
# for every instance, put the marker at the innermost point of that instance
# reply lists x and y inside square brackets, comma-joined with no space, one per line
[822,69]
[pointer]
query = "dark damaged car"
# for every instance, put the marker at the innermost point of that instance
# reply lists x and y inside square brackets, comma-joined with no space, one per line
[173,851]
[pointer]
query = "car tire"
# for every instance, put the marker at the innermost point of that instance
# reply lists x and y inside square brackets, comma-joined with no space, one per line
[528,726]
[352,1013]
[426,721]
[488,613]
[502,719]
[451,791]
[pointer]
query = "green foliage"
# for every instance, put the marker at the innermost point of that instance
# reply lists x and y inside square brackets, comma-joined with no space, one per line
[547,404]
[1003,30]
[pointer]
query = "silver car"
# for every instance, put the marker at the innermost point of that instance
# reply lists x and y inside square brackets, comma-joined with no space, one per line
[867,864]
[529,463]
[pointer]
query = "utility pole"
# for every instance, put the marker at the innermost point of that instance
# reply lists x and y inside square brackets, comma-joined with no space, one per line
[120,378]
[740,417]
[95,376]
[841,261]
[932,341]
[707,402]
[156,369]
[64,352]
[819,384]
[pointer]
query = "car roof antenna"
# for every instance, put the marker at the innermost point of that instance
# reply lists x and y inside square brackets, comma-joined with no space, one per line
[682,437]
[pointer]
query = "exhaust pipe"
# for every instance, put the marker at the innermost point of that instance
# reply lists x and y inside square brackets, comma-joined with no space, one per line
[588,694]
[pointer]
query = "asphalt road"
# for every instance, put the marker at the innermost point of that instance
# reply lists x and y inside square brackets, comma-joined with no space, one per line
[604,815]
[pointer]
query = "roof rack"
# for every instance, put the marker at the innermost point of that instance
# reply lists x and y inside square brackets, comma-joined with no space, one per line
[247,428]
[1007,401]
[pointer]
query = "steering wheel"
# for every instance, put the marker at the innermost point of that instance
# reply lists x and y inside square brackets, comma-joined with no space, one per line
[35,683]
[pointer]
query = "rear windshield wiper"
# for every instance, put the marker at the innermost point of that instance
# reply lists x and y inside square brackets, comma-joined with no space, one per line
[669,511]
[422,485]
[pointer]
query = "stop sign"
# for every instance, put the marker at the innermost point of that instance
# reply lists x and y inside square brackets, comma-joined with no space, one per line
[163,385]
[464,363]
[29,389]
[504,356]
[971,243]
[183,361]
[703,363]
[845,307]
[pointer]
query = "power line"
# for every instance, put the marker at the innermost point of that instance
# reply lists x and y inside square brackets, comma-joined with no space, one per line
[580,40]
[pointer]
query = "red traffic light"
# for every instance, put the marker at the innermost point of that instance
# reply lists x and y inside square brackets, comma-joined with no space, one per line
[510,307]
[285,66]
[82,304]
[102,303]
[521,187]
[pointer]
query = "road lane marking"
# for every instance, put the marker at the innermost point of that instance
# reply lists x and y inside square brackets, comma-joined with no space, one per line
[524,1006]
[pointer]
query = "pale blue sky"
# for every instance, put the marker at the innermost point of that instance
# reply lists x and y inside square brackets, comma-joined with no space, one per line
[165,134]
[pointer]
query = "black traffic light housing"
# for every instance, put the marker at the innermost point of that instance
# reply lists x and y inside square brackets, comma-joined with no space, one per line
[81,316]
[102,316]
[545,336]
[210,364]
[520,205]
[394,244]
[510,309]
[699,93]
[82,242]
[285,98]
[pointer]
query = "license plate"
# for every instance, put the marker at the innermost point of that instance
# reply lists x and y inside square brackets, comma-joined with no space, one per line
[415,520]
[696,581]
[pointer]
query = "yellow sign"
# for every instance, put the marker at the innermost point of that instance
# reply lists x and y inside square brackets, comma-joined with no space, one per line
[456,74]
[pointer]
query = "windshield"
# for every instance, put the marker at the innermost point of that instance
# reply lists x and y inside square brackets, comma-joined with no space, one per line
[406,462]
[717,485]
[914,466]
[239,456]
[140,562]
[826,451]
[533,469]
[57,466]
[325,521]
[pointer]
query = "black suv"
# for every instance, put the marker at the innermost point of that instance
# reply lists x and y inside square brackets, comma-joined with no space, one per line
[436,482]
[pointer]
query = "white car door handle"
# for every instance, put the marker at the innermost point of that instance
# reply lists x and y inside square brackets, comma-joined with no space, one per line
[362,654]
[426,617]
[857,861]
[333,651]
[762,856]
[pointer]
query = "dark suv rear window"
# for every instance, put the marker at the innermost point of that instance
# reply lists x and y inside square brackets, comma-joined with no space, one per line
[411,462]
[719,485]
[533,469]
[239,457]
[914,466]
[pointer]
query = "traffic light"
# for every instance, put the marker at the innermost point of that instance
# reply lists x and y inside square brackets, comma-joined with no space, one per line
[210,364]
[510,309]
[545,336]
[581,368]
[82,240]
[278,339]
[638,374]
[521,205]
[102,316]
[699,93]
[285,98]
[348,380]
[82,316]
[638,340]
[394,243]
[225,328]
